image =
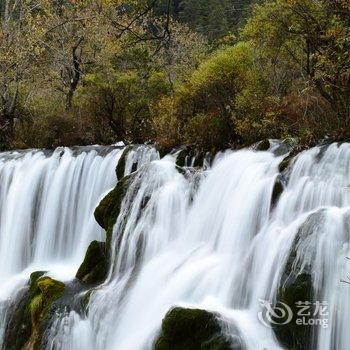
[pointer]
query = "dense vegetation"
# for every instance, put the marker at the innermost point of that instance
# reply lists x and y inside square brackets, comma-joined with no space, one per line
[210,72]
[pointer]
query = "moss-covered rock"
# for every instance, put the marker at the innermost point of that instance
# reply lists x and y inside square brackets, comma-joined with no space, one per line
[43,292]
[108,210]
[194,329]
[27,320]
[19,323]
[296,285]
[93,270]
[120,169]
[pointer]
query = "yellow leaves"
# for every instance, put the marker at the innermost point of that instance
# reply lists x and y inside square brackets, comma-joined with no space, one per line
[224,67]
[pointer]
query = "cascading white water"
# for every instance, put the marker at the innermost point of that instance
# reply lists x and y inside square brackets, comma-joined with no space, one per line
[47,200]
[210,240]
[226,250]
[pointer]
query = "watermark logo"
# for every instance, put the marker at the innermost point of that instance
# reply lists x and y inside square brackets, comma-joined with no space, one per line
[270,314]
[305,313]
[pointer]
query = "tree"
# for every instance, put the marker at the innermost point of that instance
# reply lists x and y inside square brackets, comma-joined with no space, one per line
[21,49]
[313,37]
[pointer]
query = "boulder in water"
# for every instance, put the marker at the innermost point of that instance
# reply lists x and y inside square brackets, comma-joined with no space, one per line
[120,169]
[263,145]
[195,329]
[277,190]
[296,286]
[27,321]
[43,292]
[93,270]
[108,210]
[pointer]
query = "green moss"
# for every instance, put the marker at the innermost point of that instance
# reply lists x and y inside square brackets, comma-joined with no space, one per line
[120,169]
[43,292]
[93,270]
[108,210]
[191,329]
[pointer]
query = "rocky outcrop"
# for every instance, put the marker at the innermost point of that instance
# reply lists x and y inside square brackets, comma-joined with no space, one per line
[196,329]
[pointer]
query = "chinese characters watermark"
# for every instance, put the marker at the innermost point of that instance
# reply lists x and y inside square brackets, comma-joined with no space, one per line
[305,313]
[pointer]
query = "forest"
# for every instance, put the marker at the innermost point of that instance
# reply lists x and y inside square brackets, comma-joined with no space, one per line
[213,73]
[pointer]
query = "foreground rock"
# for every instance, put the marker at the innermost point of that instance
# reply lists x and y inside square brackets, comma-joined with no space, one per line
[196,329]
[31,312]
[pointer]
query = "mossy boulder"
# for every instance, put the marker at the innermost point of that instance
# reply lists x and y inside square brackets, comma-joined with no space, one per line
[296,285]
[43,292]
[28,317]
[195,329]
[120,169]
[19,323]
[108,210]
[93,270]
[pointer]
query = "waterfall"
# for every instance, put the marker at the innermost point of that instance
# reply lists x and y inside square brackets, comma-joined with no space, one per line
[217,238]
[47,200]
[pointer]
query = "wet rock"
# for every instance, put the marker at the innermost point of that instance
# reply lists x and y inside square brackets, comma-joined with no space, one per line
[43,293]
[263,145]
[70,300]
[84,301]
[133,157]
[29,313]
[108,210]
[285,163]
[19,324]
[18,328]
[296,285]
[93,270]
[120,169]
[283,147]
[190,156]
[123,195]
[196,329]
[277,190]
